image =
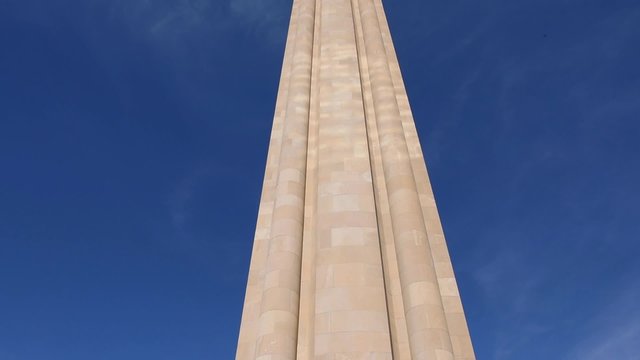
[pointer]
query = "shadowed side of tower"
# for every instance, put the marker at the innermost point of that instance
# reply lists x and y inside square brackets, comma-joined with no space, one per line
[349,258]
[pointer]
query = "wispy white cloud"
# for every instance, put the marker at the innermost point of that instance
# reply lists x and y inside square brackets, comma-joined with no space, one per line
[180,199]
[614,333]
[164,21]
[468,39]
[509,281]
[5,355]
[452,121]
[170,23]
[501,276]
[181,235]
[188,217]
[268,17]
[168,20]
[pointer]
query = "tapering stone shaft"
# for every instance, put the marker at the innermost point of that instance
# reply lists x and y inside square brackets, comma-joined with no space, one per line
[349,260]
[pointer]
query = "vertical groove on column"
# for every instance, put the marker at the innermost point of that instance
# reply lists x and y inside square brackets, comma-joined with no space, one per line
[306,322]
[397,323]
[456,322]
[278,323]
[369,120]
[426,321]
[253,296]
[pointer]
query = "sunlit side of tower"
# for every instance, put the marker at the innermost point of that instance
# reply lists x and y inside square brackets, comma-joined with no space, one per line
[349,258]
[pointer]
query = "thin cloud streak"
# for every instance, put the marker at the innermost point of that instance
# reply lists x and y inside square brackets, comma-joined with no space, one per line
[182,196]
[266,17]
[614,333]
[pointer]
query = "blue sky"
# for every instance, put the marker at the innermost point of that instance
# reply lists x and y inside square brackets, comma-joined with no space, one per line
[133,136]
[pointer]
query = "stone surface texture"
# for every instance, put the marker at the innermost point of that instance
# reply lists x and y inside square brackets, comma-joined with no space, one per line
[349,257]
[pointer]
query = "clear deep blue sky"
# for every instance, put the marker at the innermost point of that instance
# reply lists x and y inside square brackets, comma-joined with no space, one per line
[133,136]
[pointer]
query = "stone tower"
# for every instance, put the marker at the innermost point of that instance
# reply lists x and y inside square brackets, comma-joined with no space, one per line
[349,258]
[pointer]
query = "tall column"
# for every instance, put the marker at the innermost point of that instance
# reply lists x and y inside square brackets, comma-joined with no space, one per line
[349,258]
